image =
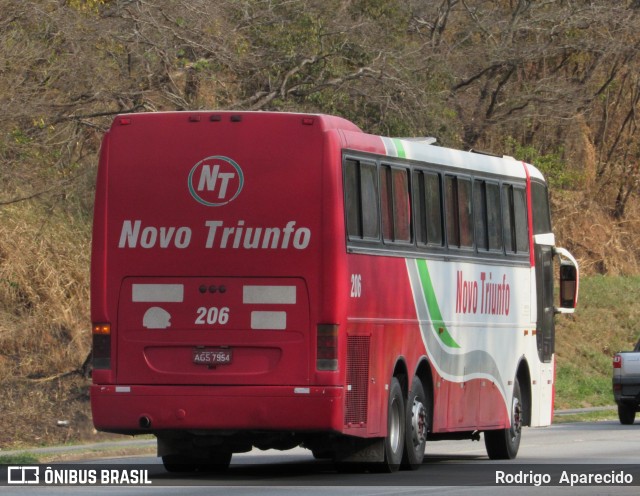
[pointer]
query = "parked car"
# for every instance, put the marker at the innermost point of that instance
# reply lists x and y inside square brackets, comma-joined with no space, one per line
[626,383]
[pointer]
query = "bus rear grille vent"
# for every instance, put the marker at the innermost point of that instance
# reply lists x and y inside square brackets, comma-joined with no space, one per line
[357,379]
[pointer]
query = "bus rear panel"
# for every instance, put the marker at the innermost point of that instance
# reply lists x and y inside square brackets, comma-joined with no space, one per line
[208,253]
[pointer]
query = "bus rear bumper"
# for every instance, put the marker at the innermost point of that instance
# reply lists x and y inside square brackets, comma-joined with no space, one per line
[142,409]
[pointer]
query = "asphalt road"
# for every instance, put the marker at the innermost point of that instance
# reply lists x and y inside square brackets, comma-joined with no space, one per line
[555,452]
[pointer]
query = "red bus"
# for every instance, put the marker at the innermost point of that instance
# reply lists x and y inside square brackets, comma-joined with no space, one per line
[273,280]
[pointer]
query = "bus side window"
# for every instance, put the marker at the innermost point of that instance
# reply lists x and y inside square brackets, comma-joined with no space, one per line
[451,210]
[434,209]
[369,207]
[480,214]
[361,200]
[507,218]
[458,212]
[386,203]
[486,212]
[352,198]
[395,204]
[515,225]
[540,209]
[464,210]
[520,219]
[420,207]
[427,202]
[401,205]
[493,217]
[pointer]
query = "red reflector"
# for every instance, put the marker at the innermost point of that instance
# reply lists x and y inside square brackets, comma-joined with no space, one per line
[125,121]
[307,121]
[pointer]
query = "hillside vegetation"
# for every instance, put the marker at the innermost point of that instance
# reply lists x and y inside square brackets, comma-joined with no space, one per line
[554,83]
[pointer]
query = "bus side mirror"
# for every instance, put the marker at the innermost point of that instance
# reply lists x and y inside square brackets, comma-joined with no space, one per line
[569,280]
[568,285]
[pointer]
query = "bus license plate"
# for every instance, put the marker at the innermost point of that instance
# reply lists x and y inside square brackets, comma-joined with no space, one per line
[212,356]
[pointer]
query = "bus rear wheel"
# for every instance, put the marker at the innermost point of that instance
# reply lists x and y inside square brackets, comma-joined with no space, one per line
[395,441]
[503,444]
[416,425]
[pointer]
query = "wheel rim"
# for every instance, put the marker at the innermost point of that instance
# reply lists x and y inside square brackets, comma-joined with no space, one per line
[516,418]
[418,423]
[394,426]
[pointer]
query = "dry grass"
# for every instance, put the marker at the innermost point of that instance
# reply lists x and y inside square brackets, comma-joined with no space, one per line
[583,224]
[44,325]
[44,292]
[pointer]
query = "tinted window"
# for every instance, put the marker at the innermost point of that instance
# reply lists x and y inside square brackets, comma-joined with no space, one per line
[401,205]
[458,212]
[361,200]
[507,218]
[520,218]
[389,203]
[428,208]
[451,210]
[369,188]
[464,211]
[352,198]
[386,203]
[540,208]
[434,209]
[480,214]
[494,226]
[420,207]
[395,204]
[515,224]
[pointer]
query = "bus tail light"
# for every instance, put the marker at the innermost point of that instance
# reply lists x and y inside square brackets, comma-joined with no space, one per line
[617,362]
[327,347]
[101,345]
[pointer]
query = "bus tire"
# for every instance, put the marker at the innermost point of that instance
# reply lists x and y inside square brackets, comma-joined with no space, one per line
[416,426]
[626,413]
[394,442]
[503,444]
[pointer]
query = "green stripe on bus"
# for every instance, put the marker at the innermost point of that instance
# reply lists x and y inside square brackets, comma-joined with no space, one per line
[432,305]
[399,148]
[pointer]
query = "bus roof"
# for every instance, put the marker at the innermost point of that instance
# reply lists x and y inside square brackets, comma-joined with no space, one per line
[354,138]
[423,151]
